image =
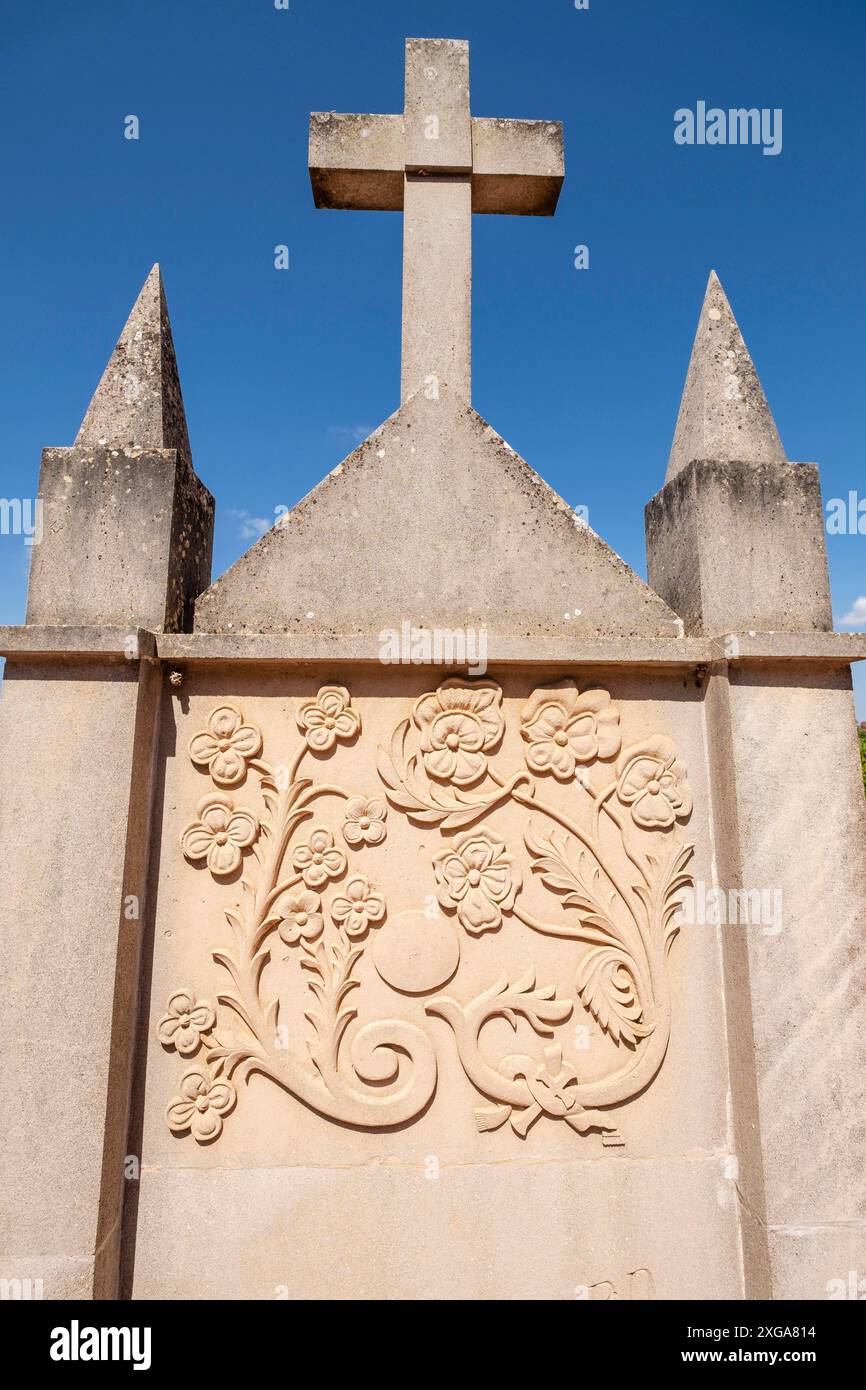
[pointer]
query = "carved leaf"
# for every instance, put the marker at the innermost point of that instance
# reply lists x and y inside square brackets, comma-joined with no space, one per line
[424,802]
[568,868]
[606,986]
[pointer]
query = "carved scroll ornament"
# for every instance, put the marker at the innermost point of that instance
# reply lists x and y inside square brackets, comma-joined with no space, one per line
[304,888]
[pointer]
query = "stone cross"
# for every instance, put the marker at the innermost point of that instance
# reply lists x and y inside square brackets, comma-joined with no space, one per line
[438,164]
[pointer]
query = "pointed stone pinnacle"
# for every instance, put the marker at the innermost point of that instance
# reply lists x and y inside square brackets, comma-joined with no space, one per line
[138,401]
[724,413]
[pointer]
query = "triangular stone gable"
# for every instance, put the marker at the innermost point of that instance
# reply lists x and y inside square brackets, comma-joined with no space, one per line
[434,519]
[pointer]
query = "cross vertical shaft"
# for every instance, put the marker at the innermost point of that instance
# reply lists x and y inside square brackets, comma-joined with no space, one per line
[437,164]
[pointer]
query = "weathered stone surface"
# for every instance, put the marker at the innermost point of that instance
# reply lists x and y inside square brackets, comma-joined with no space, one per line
[436,121]
[75,836]
[517,166]
[483,541]
[128,539]
[733,546]
[128,526]
[723,413]
[138,403]
[358,162]
[798,819]
[437,285]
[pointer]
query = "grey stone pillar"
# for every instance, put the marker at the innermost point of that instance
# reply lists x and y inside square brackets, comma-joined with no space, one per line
[735,544]
[126,547]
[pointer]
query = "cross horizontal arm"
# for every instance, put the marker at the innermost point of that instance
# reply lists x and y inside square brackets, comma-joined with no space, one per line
[357,162]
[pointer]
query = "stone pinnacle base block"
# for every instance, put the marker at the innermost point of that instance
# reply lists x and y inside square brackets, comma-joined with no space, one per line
[127,539]
[736,546]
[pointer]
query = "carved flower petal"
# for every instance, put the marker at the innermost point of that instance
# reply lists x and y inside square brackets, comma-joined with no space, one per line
[340,908]
[346,725]
[224,720]
[582,738]
[291,930]
[440,763]
[356,807]
[609,737]
[247,741]
[375,832]
[202,1016]
[457,726]
[321,839]
[195,841]
[206,1125]
[653,812]
[179,1114]
[550,720]
[187,1040]
[495,881]
[353,834]
[426,709]
[357,888]
[539,756]
[659,747]
[637,777]
[315,876]
[594,701]
[193,1083]
[203,747]
[469,768]
[223,859]
[228,767]
[166,1029]
[333,699]
[320,740]
[242,827]
[215,814]
[376,809]
[221,1095]
[356,924]
[478,914]
[310,716]
[181,1002]
[562,693]
[334,862]
[374,907]
[478,851]
[562,761]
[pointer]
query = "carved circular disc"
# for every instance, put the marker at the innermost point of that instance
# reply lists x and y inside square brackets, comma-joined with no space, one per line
[414,953]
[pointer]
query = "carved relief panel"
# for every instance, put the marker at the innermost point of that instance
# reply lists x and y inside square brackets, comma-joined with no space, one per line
[478,889]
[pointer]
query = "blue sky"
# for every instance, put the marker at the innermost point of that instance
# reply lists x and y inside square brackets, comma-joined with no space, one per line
[283,371]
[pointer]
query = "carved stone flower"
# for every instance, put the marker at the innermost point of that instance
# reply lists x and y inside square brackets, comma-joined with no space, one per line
[328,718]
[359,908]
[201,1105]
[653,783]
[477,878]
[300,916]
[219,835]
[184,1022]
[563,728]
[319,859]
[365,821]
[226,746]
[460,722]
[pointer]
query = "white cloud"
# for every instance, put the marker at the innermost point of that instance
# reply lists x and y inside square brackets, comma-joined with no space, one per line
[250,528]
[857,616]
[354,434]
